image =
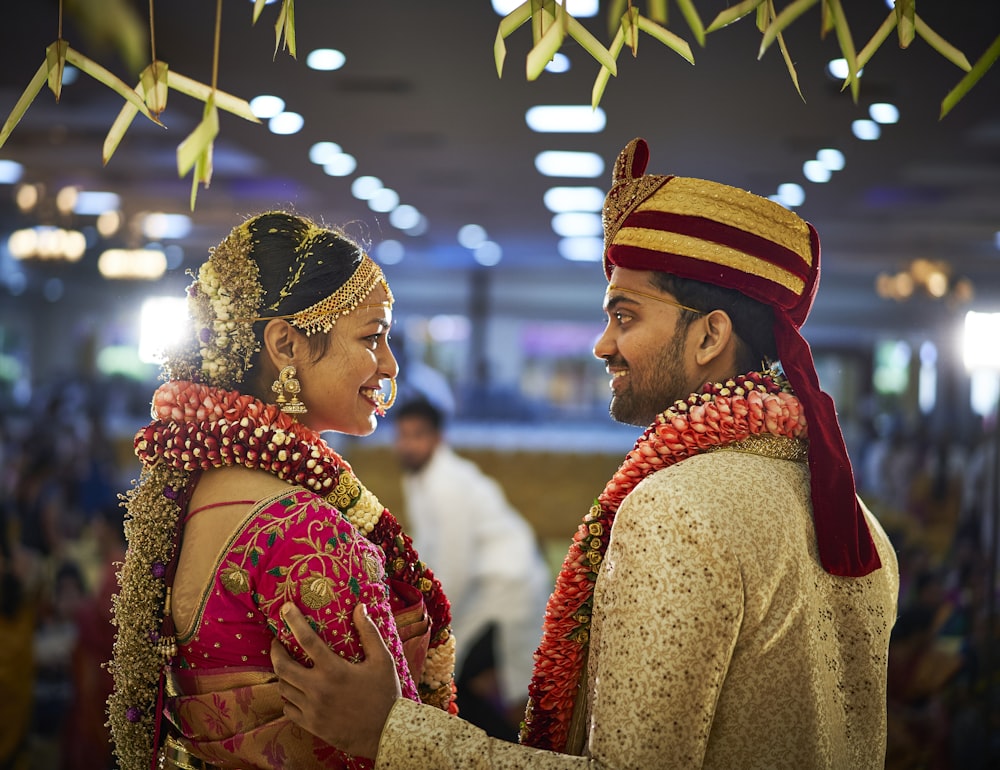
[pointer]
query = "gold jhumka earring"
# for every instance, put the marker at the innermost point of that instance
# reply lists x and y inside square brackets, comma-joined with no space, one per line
[287,389]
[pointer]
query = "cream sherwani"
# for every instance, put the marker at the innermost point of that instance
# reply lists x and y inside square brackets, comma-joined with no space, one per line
[718,639]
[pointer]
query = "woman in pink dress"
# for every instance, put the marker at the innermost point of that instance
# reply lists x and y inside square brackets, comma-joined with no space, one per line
[241,506]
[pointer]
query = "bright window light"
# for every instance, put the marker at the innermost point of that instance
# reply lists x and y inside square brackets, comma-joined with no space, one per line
[286,123]
[325,59]
[883,112]
[866,130]
[562,199]
[384,200]
[815,171]
[584,165]
[404,217]
[577,224]
[791,195]
[985,387]
[487,253]
[560,63]
[158,226]
[340,165]
[979,348]
[565,118]
[927,379]
[163,321]
[267,106]
[389,252]
[831,158]
[472,236]
[10,171]
[581,249]
[366,187]
[94,203]
[322,153]
[580,8]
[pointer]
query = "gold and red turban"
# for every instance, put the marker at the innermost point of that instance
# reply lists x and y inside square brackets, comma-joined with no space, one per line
[724,236]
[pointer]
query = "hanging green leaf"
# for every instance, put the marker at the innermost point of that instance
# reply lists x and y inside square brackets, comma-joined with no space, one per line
[102,75]
[616,8]
[777,25]
[202,92]
[691,16]
[258,6]
[668,38]
[507,25]
[987,60]
[601,81]
[542,52]
[790,66]
[55,59]
[25,100]
[285,25]
[942,46]
[154,84]
[630,27]
[590,44]
[880,36]
[846,42]
[196,150]
[734,13]
[906,12]
[657,11]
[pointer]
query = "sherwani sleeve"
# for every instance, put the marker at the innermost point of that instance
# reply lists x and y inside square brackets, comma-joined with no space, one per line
[668,608]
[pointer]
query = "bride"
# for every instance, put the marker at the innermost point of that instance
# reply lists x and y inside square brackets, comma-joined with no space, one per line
[242,506]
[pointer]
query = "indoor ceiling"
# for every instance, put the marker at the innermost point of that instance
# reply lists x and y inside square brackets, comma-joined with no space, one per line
[419,105]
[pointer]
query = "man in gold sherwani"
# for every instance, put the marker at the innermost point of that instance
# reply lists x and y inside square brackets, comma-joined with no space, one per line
[728,600]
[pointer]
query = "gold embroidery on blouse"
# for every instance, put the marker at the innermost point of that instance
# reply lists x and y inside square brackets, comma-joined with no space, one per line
[766,445]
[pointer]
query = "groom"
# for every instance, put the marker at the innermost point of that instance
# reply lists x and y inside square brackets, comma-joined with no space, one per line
[727,602]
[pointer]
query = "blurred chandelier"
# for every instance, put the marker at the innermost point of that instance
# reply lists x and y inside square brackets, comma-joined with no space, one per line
[924,277]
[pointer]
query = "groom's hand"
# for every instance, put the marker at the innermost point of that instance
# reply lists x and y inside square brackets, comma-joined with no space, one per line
[345,704]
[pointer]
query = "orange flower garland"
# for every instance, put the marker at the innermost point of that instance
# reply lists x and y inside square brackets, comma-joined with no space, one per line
[723,413]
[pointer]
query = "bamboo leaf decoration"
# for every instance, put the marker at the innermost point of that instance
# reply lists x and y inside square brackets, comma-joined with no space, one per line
[626,20]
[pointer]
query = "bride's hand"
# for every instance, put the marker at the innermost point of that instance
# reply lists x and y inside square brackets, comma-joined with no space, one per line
[345,704]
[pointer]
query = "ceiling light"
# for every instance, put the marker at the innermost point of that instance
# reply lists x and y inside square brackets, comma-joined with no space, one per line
[384,200]
[472,236]
[996,239]
[10,171]
[419,228]
[581,249]
[569,164]
[364,188]
[322,153]
[791,195]
[566,118]
[560,63]
[839,69]
[158,226]
[27,196]
[286,123]
[560,199]
[267,106]
[866,130]
[108,223]
[577,223]
[132,264]
[404,217]
[832,159]
[883,112]
[66,199]
[325,59]
[340,165]
[94,203]
[70,74]
[45,242]
[580,8]
[815,171]
[487,253]
[389,252]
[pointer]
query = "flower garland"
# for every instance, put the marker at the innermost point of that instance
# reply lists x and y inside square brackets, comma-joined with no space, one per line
[722,413]
[197,427]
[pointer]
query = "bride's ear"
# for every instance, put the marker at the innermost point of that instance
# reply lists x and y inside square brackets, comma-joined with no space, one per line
[281,343]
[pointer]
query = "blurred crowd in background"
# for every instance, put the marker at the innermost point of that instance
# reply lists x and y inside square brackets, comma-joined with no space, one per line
[65,458]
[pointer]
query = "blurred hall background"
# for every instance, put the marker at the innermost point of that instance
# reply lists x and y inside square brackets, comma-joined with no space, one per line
[392,122]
